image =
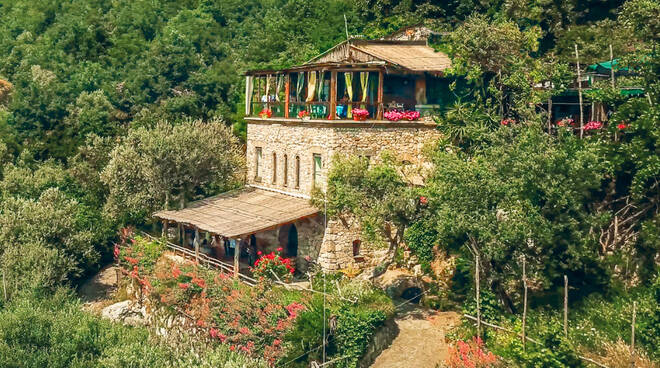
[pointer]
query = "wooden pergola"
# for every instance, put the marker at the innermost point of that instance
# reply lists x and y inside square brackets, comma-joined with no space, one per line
[236,215]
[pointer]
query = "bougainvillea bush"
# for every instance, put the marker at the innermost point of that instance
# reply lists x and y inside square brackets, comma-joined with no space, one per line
[251,320]
[273,266]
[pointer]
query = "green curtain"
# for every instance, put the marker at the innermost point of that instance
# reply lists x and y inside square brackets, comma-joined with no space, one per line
[364,83]
[300,84]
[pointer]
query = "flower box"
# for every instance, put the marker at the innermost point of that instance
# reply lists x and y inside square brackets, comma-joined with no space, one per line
[265,113]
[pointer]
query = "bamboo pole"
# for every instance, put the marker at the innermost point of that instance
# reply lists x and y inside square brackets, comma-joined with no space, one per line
[549,114]
[632,338]
[524,320]
[577,58]
[565,306]
[612,65]
[476,280]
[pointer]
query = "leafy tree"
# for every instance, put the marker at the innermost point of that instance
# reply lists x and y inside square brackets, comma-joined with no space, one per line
[377,195]
[152,168]
[525,194]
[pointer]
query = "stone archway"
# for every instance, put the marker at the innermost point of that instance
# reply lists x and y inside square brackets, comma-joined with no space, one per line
[288,239]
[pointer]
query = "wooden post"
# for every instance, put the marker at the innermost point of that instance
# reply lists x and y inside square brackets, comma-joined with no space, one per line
[549,115]
[196,244]
[237,257]
[381,81]
[476,280]
[287,92]
[632,337]
[577,59]
[612,65]
[524,319]
[565,306]
[333,95]
[4,284]
[165,223]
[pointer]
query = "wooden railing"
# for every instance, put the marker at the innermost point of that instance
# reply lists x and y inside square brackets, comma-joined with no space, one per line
[203,259]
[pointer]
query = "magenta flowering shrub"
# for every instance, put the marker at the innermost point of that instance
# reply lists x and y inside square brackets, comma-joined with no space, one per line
[251,320]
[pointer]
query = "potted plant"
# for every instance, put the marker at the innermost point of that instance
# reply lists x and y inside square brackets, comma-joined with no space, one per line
[304,115]
[265,113]
[393,115]
[360,114]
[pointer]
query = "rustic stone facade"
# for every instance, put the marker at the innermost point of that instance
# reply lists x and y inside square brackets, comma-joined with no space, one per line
[293,156]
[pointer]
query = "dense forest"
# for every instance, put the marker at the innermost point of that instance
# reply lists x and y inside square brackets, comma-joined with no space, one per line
[108,109]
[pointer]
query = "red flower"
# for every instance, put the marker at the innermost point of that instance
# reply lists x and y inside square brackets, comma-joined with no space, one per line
[593,125]
[622,126]
[176,272]
[199,282]
[259,253]
[280,249]
[116,251]
[244,331]
[184,286]
[232,348]
[134,273]
[131,260]
[423,200]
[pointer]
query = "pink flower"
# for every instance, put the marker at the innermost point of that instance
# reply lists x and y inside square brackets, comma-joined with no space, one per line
[116,251]
[184,286]
[259,253]
[280,249]
[244,331]
[423,200]
[593,125]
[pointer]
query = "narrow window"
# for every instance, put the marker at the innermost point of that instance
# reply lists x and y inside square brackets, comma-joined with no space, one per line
[318,165]
[274,167]
[257,163]
[297,172]
[286,170]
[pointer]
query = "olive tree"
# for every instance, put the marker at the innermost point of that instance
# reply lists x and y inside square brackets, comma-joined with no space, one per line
[152,169]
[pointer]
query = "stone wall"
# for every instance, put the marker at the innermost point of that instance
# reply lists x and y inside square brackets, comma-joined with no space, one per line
[297,139]
[292,138]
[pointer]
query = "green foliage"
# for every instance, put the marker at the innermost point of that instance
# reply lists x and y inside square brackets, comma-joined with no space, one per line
[53,331]
[421,237]
[376,194]
[523,194]
[356,321]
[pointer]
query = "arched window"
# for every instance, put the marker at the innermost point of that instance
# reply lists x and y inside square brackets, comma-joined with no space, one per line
[297,171]
[286,170]
[356,247]
[274,167]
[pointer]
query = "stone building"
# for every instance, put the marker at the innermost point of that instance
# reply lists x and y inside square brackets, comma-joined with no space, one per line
[298,119]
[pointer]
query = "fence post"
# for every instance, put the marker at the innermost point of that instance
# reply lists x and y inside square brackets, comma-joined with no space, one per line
[524,320]
[632,339]
[577,59]
[565,306]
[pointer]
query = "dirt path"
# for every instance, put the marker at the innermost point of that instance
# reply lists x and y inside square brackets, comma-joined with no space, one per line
[421,340]
[96,293]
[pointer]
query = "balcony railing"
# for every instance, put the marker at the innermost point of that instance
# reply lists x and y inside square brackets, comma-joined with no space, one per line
[317,110]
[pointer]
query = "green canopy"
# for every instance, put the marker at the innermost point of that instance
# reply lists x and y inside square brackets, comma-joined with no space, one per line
[605,67]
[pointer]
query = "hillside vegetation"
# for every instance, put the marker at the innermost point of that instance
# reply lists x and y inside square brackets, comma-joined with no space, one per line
[112,109]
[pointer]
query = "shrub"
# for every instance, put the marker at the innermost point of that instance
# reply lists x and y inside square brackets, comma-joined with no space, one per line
[470,354]
[52,331]
[273,266]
